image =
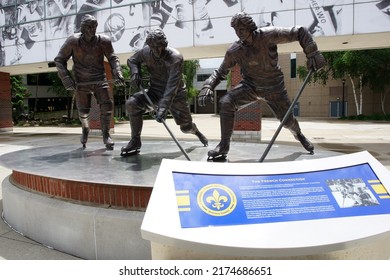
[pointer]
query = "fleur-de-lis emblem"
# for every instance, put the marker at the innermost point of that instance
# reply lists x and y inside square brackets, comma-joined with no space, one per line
[217,199]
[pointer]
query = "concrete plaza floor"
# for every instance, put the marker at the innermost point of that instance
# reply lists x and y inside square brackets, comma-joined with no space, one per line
[326,134]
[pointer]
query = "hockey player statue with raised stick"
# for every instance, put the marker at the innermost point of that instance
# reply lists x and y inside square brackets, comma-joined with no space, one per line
[262,79]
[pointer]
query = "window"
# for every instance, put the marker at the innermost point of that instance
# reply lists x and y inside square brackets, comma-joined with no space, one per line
[43,79]
[293,65]
[202,77]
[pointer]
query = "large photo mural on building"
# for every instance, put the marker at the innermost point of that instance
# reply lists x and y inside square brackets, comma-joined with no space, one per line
[33,30]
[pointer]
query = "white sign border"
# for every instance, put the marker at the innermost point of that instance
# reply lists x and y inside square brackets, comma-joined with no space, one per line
[161,223]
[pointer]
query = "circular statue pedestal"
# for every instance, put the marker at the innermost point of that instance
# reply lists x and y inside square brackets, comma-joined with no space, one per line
[91,202]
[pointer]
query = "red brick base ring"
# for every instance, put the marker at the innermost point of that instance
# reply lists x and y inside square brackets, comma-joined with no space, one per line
[93,194]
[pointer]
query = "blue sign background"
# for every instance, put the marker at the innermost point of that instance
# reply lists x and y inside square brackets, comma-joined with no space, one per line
[217,200]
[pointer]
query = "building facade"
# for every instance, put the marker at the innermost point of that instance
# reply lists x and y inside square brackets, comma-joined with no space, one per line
[33,31]
[317,101]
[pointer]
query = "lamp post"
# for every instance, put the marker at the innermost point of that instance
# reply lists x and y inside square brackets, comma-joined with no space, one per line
[343,101]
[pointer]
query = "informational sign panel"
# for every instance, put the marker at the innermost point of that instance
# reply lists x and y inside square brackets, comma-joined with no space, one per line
[206,200]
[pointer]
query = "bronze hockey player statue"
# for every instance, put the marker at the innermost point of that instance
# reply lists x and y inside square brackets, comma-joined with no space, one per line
[167,90]
[87,51]
[262,79]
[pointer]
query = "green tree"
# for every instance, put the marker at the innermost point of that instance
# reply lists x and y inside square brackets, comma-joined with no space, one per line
[189,72]
[121,93]
[229,80]
[362,67]
[378,74]
[18,95]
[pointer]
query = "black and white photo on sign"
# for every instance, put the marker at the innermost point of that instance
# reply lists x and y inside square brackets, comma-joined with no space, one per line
[352,192]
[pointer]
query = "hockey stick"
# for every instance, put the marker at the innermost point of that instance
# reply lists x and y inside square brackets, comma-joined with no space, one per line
[286,115]
[96,82]
[165,124]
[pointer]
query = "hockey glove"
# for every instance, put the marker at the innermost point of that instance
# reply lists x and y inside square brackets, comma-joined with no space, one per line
[206,94]
[135,80]
[119,80]
[161,114]
[68,83]
[315,60]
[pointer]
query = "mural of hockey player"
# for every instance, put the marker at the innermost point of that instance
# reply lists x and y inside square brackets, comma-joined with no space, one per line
[29,28]
[384,6]
[65,6]
[9,32]
[139,35]
[268,13]
[157,14]
[326,16]
[91,7]
[372,16]
[114,26]
[204,26]
[59,25]
[2,51]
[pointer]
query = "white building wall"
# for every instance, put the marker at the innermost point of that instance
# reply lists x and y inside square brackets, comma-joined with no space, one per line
[33,34]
